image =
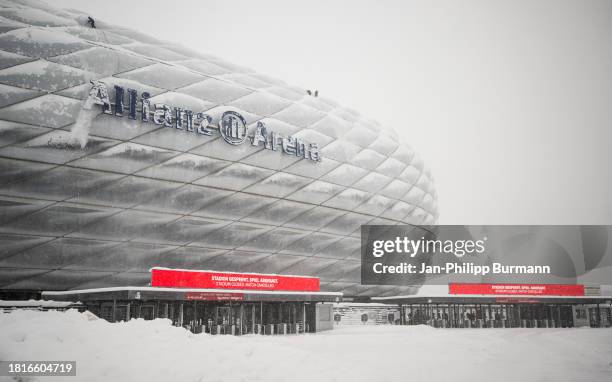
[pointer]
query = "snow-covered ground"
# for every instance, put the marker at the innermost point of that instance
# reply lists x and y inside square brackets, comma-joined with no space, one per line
[155,351]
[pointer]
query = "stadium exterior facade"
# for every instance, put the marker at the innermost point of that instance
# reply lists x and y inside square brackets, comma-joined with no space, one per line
[121,154]
[226,169]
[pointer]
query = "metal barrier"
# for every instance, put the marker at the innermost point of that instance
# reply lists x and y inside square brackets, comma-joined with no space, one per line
[281,329]
[269,329]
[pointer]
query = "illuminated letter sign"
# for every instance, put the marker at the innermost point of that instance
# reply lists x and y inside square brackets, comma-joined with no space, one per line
[232,126]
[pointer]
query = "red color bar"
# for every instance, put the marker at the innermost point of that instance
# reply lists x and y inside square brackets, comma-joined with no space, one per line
[175,278]
[518,289]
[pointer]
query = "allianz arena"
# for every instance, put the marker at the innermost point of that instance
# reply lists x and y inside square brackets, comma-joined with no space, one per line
[95,197]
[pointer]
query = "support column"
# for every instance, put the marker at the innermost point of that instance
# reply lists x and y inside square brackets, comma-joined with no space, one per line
[253,318]
[114,310]
[411,314]
[280,318]
[241,317]
[303,317]
[137,310]
[598,316]
[550,314]
[180,318]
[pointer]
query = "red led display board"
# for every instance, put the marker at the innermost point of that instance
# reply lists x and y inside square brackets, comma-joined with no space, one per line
[180,278]
[518,289]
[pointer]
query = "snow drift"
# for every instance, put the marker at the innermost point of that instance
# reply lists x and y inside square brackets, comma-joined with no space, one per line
[156,351]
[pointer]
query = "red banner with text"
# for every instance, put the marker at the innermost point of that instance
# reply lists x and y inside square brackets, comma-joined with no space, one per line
[175,278]
[518,289]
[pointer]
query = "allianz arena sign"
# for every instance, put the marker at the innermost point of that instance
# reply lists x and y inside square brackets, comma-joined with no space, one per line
[232,126]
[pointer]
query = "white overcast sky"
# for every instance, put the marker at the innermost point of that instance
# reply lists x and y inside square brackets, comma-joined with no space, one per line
[508,102]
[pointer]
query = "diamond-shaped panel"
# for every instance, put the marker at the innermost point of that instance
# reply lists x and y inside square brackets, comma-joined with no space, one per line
[40,43]
[49,111]
[162,76]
